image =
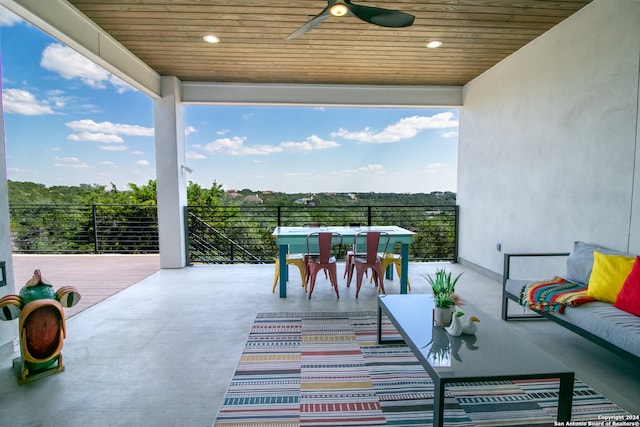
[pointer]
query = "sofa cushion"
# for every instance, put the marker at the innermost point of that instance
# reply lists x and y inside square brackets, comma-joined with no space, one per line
[608,275]
[629,297]
[580,261]
[602,319]
[618,327]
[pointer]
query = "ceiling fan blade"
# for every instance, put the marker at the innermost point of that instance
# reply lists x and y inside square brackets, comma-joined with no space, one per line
[381,17]
[312,23]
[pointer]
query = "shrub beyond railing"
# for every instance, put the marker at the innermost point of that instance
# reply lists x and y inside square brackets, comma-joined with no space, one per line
[225,234]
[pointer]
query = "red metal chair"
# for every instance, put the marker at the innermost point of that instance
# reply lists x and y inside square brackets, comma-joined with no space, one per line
[371,260]
[348,265]
[322,258]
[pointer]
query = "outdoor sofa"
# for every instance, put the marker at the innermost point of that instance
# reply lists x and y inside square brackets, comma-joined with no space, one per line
[598,296]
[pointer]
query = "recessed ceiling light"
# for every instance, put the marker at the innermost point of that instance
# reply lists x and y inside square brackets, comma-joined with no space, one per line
[433,44]
[210,38]
[338,10]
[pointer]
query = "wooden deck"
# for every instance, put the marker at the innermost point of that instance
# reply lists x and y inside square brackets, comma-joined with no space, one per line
[96,277]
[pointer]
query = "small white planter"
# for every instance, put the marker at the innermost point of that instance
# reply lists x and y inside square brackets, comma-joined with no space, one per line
[442,316]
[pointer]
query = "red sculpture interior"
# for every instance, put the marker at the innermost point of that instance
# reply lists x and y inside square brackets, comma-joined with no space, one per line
[42,328]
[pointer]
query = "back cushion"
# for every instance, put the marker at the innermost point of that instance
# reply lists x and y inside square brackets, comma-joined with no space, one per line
[629,297]
[580,261]
[608,275]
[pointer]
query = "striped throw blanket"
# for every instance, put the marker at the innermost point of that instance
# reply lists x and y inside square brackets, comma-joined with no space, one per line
[553,295]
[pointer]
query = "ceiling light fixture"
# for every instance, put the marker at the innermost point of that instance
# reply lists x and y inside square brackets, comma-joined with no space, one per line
[434,44]
[338,10]
[210,38]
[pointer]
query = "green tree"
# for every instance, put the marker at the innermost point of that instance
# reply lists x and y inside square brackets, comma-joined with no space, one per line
[198,196]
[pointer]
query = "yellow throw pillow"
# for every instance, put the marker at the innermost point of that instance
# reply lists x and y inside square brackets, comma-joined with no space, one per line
[608,275]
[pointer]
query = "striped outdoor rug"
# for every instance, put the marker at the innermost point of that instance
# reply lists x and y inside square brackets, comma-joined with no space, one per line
[325,369]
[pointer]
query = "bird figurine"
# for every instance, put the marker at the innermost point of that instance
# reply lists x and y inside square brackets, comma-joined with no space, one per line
[461,326]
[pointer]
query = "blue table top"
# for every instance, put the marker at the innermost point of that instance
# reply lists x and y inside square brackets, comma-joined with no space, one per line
[293,235]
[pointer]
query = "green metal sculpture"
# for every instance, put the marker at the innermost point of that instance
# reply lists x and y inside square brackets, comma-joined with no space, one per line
[42,326]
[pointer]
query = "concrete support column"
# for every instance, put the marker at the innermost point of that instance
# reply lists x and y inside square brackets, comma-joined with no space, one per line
[170,177]
[8,330]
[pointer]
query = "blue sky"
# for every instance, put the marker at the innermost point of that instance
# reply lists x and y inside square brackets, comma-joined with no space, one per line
[69,122]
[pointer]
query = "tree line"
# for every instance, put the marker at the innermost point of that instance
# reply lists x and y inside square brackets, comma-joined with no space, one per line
[215,195]
[223,225]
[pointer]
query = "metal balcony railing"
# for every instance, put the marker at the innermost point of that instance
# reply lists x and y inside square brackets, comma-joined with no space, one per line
[98,229]
[243,233]
[225,234]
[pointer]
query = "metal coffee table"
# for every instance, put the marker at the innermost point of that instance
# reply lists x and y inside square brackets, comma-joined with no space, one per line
[494,353]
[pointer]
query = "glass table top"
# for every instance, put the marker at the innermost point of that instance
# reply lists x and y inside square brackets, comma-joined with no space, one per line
[494,351]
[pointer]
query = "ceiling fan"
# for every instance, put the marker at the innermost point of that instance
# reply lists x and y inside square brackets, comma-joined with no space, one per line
[373,15]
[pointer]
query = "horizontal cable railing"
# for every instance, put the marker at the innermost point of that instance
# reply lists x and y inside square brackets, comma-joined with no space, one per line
[250,227]
[224,234]
[100,229]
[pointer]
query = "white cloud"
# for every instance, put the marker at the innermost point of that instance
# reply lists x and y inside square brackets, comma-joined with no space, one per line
[8,18]
[235,146]
[297,174]
[57,98]
[311,143]
[94,137]
[88,130]
[18,101]
[137,153]
[107,163]
[435,168]
[225,145]
[368,169]
[222,132]
[189,130]
[120,85]
[70,162]
[195,155]
[371,168]
[143,163]
[404,129]
[89,125]
[114,147]
[71,65]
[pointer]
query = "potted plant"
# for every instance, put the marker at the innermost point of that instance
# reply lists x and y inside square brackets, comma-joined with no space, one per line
[443,287]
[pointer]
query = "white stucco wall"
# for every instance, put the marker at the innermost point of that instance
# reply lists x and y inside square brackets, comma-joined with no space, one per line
[548,140]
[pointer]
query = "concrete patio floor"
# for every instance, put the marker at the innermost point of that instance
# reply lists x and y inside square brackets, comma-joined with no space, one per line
[162,352]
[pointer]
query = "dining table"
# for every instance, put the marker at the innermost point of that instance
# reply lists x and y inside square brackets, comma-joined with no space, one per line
[294,240]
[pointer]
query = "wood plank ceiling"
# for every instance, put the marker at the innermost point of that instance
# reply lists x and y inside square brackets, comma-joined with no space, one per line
[477,34]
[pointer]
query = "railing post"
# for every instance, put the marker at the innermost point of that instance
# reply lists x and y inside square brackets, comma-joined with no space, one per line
[94,215]
[369,216]
[187,249]
[279,216]
[456,228]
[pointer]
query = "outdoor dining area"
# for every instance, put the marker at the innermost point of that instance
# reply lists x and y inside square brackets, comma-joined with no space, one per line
[316,248]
